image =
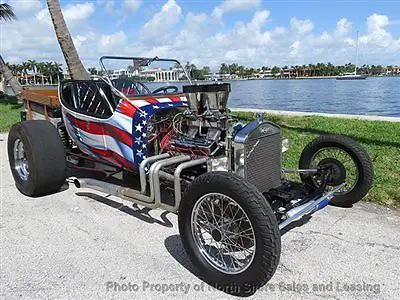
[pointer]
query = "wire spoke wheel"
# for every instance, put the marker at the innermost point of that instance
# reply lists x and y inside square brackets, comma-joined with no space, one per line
[223,233]
[347,162]
[342,165]
[20,160]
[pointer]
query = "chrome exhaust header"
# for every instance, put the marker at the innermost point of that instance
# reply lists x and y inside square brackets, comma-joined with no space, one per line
[153,200]
[309,207]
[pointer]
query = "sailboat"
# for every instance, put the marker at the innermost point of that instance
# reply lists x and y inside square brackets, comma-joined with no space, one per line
[353,75]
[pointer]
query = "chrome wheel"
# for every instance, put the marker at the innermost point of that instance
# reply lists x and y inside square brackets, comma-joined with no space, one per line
[344,164]
[223,233]
[20,160]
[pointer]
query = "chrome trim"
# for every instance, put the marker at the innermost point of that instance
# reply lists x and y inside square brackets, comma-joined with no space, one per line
[21,165]
[177,181]
[142,169]
[308,208]
[155,173]
[219,239]
[155,177]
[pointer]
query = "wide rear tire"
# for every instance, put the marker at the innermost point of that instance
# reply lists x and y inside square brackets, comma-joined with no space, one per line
[237,248]
[37,157]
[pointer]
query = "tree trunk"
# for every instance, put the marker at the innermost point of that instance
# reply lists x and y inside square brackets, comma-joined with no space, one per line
[10,78]
[74,64]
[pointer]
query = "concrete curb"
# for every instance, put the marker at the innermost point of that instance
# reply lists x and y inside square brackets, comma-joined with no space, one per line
[300,113]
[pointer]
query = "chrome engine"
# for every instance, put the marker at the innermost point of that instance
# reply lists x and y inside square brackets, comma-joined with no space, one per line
[206,129]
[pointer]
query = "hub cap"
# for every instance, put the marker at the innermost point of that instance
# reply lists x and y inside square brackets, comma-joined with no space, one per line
[20,160]
[223,233]
[342,164]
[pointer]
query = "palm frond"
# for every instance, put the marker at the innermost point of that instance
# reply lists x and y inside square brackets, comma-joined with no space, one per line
[7,12]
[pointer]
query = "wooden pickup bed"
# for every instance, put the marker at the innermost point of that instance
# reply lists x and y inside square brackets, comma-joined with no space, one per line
[40,101]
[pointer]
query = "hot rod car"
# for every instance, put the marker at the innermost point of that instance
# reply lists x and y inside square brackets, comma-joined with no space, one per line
[225,179]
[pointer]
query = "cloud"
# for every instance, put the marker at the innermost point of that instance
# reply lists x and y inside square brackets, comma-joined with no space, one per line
[377,34]
[343,27]
[79,11]
[228,6]
[73,13]
[22,7]
[301,26]
[162,22]
[197,37]
[131,5]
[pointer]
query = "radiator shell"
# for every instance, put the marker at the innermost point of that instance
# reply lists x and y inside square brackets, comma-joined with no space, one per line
[261,143]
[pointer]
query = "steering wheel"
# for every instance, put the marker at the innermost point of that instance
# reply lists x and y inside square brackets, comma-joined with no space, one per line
[165,89]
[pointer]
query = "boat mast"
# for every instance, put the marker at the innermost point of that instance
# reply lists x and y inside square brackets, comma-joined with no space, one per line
[355,67]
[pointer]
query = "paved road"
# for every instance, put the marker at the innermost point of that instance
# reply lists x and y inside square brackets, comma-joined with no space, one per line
[74,244]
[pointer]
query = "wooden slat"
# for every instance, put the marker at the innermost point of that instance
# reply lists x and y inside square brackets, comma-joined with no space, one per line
[48,97]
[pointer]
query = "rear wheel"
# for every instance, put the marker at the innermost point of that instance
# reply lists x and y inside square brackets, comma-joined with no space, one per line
[229,232]
[348,161]
[37,157]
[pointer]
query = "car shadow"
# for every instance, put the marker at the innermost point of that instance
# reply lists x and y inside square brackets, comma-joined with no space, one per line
[295,224]
[175,248]
[139,213]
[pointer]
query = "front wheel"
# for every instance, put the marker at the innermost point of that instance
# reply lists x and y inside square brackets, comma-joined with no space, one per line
[229,232]
[348,161]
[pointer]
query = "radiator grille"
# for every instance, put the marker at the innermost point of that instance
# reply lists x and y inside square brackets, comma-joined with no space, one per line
[263,159]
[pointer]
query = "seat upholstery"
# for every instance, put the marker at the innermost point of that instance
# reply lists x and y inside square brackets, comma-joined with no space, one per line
[90,97]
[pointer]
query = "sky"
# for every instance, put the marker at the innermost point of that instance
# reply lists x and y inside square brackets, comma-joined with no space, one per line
[207,33]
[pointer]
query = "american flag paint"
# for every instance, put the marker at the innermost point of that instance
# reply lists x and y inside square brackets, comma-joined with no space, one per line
[122,139]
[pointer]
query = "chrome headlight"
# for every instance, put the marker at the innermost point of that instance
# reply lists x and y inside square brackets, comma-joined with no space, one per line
[217,164]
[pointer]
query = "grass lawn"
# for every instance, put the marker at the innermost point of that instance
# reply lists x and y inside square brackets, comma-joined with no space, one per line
[381,139]
[9,112]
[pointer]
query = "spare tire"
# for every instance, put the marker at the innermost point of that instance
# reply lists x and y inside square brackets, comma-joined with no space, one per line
[37,157]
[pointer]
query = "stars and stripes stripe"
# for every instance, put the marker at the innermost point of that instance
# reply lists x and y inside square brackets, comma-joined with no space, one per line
[121,139]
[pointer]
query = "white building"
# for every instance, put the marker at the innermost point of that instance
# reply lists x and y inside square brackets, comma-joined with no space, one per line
[163,75]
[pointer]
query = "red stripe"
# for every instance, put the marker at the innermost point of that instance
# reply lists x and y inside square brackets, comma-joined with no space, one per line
[118,134]
[175,99]
[114,158]
[90,127]
[103,129]
[126,108]
[151,100]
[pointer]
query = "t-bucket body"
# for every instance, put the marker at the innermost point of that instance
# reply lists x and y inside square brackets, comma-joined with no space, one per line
[122,138]
[108,119]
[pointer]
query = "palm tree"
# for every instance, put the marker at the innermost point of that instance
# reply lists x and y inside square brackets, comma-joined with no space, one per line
[7,13]
[74,64]
[32,65]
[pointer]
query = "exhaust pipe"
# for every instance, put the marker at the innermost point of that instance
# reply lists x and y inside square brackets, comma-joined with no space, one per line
[97,185]
[309,207]
[152,201]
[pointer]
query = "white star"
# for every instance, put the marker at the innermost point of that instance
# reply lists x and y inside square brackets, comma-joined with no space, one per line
[143,114]
[138,141]
[170,105]
[144,146]
[144,134]
[139,127]
[139,153]
[144,122]
[156,107]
